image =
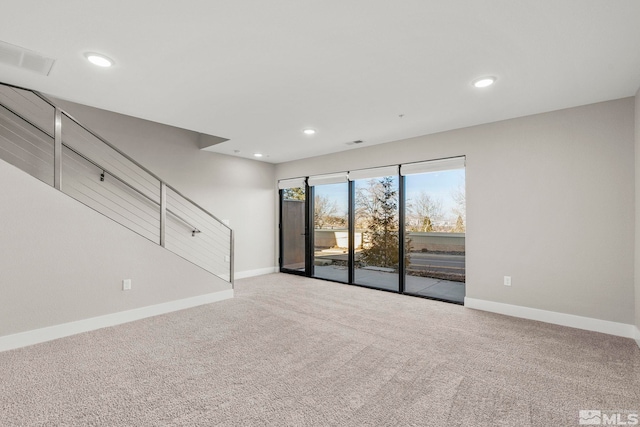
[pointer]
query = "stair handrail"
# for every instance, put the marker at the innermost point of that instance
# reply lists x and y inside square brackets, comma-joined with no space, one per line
[58,143]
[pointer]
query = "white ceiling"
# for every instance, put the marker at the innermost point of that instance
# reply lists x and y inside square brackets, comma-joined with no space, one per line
[259,72]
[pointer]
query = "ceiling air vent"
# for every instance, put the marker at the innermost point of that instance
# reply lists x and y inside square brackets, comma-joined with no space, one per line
[15,56]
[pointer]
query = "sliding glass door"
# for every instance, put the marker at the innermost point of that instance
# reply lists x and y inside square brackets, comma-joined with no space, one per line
[396,228]
[435,224]
[330,227]
[377,230]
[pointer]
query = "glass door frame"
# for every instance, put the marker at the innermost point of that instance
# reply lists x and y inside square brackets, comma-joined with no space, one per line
[309,237]
[401,237]
[312,237]
[308,240]
[403,190]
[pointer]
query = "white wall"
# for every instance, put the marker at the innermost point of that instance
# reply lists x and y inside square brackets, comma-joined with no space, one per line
[637,223]
[62,262]
[232,188]
[550,202]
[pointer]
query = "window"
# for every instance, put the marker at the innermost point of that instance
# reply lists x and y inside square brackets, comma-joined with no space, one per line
[377,230]
[331,229]
[435,223]
[396,228]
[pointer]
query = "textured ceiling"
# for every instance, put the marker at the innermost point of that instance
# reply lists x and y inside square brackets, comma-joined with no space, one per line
[259,72]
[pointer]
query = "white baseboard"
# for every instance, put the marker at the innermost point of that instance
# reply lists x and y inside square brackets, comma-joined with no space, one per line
[563,319]
[36,336]
[638,336]
[257,272]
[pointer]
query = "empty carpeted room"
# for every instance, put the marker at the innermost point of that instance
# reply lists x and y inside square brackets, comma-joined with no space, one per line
[354,213]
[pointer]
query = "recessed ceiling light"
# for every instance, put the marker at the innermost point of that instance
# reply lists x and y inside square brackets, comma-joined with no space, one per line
[484,82]
[257,155]
[309,131]
[98,59]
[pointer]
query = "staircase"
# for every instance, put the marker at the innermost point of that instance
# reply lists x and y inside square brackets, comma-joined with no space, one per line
[46,142]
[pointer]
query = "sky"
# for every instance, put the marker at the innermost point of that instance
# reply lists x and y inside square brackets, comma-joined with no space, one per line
[438,185]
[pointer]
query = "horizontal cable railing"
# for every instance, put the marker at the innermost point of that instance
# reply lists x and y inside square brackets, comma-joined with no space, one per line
[26,146]
[185,220]
[51,145]
[30,107]
[88,183]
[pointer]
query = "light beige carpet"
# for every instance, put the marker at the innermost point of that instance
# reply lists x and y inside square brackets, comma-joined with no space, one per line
[302,352]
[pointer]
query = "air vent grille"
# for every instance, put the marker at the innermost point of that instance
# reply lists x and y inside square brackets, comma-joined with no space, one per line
[16,56]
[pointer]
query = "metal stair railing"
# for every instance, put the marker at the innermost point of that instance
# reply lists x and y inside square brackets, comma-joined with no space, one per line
[43,140]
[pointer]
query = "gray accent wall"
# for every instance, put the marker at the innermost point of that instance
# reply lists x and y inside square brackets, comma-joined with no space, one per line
[231,188]
[550,202]
[61,261]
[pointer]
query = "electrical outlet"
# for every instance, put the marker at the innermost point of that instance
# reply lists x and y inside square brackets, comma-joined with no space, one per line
[507,280]
[126,285]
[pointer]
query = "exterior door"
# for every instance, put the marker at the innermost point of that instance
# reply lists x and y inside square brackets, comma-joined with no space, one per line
[293,230]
